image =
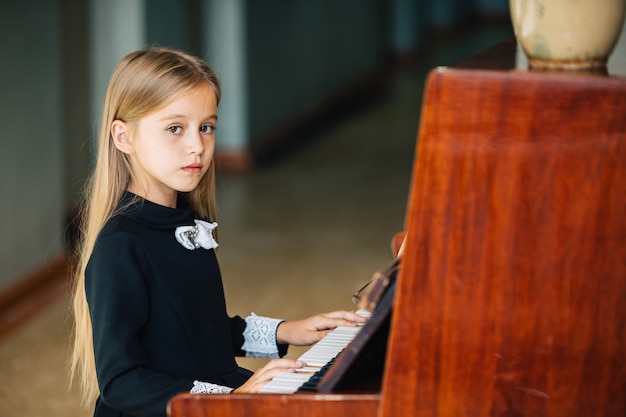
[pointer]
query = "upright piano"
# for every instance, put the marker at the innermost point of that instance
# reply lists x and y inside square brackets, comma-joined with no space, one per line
[510,299]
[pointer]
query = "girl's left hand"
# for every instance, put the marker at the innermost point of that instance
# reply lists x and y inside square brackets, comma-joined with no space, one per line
[313,329]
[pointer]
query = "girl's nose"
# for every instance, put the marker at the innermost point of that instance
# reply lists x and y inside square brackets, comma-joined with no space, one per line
[196,145]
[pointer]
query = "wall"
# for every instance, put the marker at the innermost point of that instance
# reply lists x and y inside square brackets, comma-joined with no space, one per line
[298,53]
[117,27]
[31,139]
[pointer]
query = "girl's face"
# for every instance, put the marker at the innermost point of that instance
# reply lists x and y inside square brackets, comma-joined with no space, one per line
[171,149]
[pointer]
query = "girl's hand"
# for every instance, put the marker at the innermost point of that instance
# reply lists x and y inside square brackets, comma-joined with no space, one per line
[313,329]
[267,373]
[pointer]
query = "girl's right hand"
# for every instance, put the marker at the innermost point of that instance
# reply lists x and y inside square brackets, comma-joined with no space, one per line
[267,373]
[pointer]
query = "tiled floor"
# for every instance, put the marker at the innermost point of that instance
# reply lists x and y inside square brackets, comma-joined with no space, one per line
[297,237]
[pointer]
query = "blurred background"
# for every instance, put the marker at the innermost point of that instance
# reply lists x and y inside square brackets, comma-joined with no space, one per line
[316,141]
[282,64]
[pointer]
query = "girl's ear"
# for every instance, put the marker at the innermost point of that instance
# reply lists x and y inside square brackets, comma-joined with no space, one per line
[121,138]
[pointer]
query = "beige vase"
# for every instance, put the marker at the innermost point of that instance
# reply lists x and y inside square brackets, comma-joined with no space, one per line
[567,34]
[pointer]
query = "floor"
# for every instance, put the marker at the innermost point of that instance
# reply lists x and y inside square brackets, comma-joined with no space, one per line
[297,237]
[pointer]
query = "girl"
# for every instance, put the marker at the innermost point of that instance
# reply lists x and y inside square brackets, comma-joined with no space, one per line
[151,319]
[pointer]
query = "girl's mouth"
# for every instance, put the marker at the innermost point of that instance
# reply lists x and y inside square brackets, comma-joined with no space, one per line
[193,168]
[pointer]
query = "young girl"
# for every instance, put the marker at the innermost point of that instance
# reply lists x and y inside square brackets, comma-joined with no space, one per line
[151,319]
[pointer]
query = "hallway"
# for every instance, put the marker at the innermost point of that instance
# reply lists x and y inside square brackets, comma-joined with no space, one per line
[297,237]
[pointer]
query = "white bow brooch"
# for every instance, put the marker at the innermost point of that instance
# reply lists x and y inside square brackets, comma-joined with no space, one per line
[198,236]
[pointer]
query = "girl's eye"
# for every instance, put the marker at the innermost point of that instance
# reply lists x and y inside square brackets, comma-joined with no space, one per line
[175,129]
[207,128]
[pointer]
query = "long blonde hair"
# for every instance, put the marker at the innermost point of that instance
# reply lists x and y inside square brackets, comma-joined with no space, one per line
[143,82]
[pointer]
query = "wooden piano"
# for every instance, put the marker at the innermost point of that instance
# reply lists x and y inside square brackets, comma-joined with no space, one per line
[510,300]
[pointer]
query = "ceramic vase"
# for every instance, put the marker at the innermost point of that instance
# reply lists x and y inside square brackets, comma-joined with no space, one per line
[567,34]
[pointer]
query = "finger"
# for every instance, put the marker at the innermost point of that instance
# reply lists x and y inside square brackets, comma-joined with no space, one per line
[269,372]
[283,363]
[335,314]
[340,319]
[320,334]
[346,316]
[354,317]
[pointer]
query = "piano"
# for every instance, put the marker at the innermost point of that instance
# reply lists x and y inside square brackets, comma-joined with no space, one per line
[510,298]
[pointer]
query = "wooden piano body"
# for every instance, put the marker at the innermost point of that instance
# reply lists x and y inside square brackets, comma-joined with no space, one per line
[511,297]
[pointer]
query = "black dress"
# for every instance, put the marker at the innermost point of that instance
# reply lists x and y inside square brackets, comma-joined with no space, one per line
[158,312]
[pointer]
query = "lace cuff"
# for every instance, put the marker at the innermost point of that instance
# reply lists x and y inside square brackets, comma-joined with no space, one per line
[260,337]
[200,387]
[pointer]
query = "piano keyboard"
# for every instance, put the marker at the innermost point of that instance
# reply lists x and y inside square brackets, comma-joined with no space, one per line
[319,356]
